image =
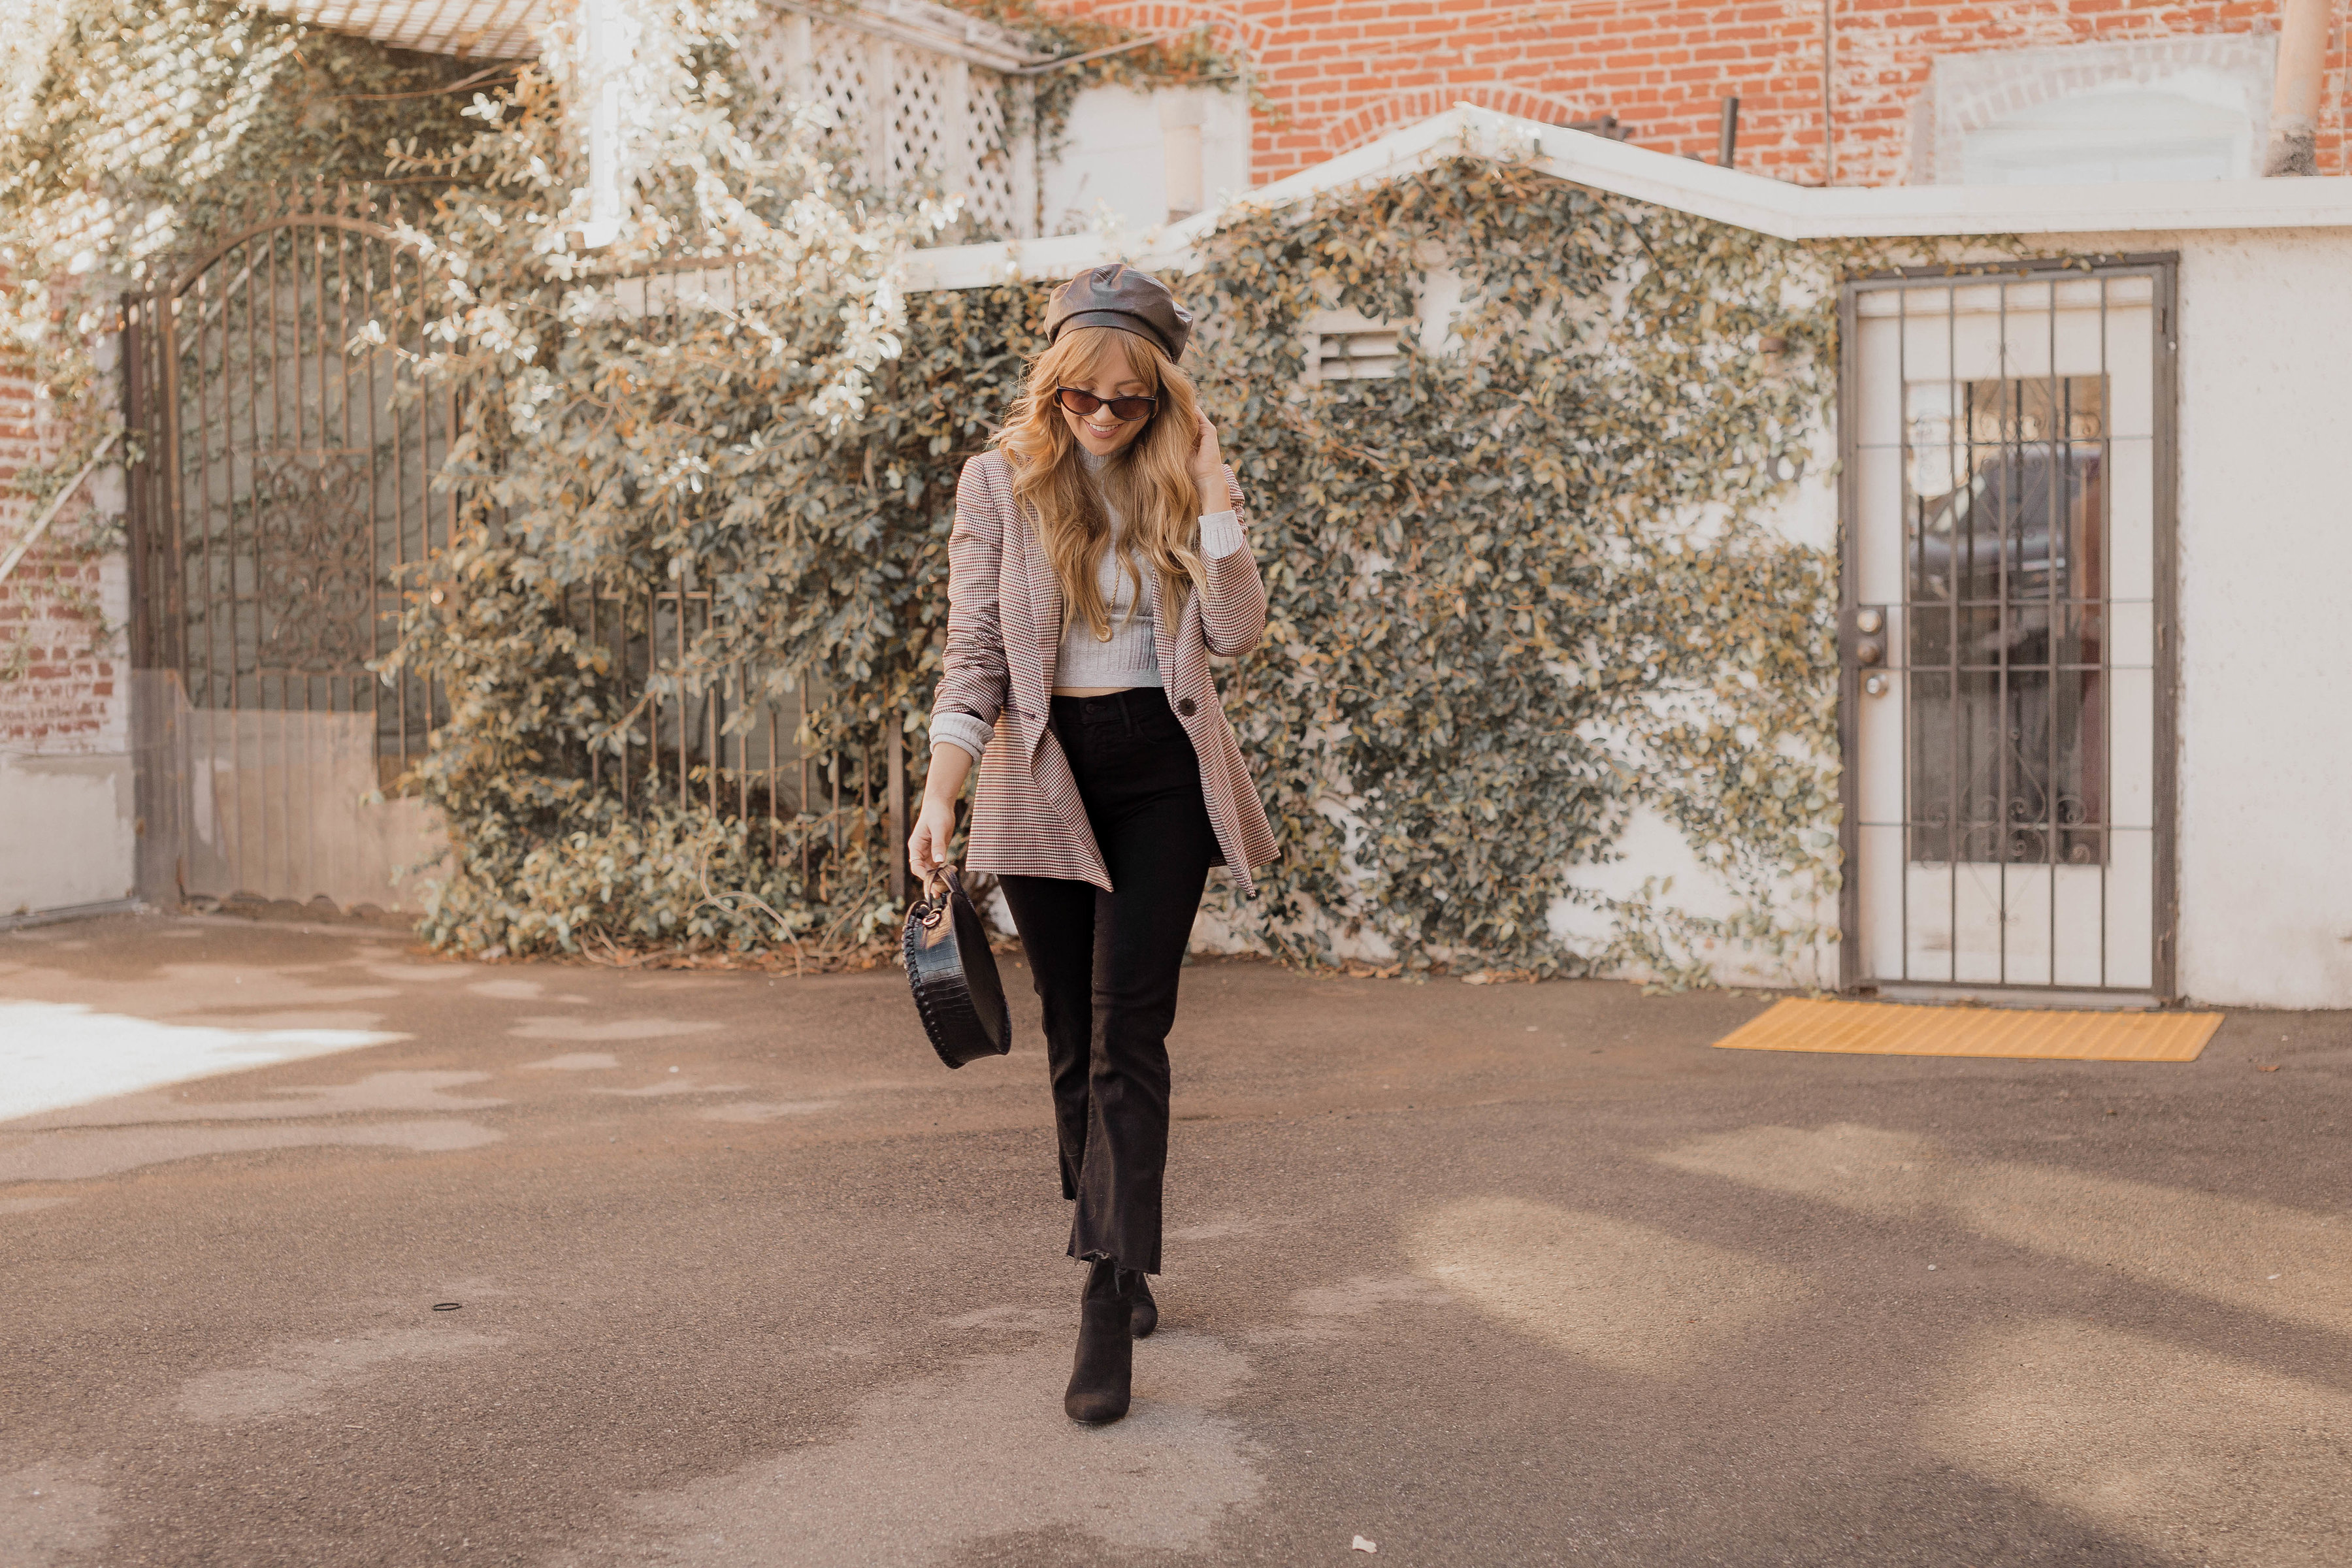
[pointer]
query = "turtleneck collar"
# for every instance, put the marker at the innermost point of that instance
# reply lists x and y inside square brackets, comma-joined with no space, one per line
[1094,464]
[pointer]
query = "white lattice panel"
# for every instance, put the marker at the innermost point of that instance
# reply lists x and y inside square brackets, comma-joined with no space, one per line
[849,74]
[917,135]
[904,116]
[994,198]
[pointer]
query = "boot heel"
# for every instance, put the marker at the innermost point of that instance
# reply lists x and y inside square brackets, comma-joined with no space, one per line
[1102,1375]
[1146,1316]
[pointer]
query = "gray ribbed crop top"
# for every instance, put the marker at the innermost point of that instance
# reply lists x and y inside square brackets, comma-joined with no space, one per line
[1132,657]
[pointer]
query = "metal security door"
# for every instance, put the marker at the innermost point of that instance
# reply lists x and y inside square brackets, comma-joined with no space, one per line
[285,496]
[2006,630]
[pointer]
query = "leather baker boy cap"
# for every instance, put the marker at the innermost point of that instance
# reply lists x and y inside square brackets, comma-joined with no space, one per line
[1118,295]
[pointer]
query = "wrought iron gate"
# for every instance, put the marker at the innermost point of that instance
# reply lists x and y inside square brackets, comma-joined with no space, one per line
[2008,584]
[285,499]
[283,512]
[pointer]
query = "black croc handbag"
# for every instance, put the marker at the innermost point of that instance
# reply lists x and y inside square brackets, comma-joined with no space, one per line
[954,975]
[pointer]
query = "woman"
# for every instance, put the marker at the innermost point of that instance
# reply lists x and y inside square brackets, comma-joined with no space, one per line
[1099,559]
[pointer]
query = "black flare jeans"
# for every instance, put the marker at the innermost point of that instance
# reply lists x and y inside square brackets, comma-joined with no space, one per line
[1106,964]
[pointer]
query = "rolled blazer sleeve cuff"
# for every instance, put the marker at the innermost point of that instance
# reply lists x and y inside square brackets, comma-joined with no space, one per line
[1221,534]
[960,730]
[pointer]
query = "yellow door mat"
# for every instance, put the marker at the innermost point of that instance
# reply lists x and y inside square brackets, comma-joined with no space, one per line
[1899,1029]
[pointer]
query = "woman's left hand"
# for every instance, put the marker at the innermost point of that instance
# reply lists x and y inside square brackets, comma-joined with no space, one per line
[1209,466]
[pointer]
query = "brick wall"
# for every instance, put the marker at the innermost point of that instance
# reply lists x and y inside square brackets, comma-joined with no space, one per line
[70,695]
[1341,72]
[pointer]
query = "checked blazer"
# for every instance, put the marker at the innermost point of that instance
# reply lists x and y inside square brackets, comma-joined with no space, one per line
[1004,635]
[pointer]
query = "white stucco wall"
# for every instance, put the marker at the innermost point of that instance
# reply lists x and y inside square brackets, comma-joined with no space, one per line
[2265,632]
[67,816]
[1115,154]
[69,839]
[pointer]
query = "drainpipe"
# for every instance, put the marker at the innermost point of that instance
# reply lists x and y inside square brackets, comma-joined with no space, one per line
[1829,90]
[2295,105]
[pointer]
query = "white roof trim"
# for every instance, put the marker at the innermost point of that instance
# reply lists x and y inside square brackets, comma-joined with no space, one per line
[1750,201]
[479,29]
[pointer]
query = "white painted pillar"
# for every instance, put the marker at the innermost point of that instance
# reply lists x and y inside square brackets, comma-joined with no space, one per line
[608,40]
[959,148]
[800,57]
[881,109]
[1028,191]
[1179,145]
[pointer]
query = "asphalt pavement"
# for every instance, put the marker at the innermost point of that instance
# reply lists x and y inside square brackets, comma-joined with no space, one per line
[581,1268]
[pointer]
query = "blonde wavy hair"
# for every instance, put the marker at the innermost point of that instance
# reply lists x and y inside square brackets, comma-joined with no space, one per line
[1150,479]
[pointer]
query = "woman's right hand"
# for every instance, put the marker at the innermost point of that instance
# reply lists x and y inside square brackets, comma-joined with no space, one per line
[928,845]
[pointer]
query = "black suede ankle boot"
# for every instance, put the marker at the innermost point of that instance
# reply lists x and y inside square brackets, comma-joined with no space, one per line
[1100,1379]
[1145,1317]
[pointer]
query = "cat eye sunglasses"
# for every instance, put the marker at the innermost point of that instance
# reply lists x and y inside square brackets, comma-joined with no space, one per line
[1126,410]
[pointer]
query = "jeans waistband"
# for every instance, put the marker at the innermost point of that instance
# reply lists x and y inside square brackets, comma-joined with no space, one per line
[1135,702]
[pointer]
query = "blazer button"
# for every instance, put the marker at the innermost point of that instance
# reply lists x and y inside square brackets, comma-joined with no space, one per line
[1184,706]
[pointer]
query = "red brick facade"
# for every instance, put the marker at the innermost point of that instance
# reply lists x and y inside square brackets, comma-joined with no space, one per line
[1341,72]
[59,692]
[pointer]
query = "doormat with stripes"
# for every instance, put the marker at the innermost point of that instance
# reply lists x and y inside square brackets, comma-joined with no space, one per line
[1900,1029]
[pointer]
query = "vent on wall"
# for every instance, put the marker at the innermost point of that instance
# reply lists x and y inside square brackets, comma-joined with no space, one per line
[1356,356]
[1345,346]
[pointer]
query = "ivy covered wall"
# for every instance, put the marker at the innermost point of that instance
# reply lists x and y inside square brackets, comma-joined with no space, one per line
[1540,586]
[1529,591]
